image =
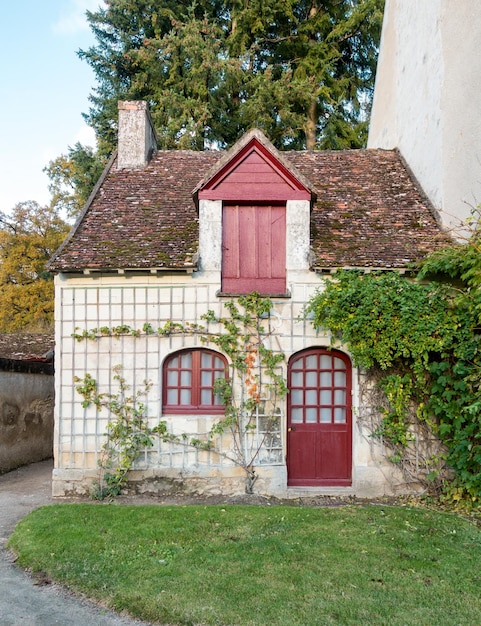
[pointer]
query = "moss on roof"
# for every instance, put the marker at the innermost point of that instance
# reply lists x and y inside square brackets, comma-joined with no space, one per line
[369,213]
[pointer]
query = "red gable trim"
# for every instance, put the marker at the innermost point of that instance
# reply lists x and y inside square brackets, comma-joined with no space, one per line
[254,174]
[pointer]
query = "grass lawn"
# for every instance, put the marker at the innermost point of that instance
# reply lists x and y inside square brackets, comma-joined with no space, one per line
[246,565]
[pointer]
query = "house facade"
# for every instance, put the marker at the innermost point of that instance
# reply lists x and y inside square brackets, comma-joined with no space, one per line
[167,236]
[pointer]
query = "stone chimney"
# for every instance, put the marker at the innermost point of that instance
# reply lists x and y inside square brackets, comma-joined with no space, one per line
[137,137]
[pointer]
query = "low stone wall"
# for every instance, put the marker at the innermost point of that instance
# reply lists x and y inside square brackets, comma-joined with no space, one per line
[26,412]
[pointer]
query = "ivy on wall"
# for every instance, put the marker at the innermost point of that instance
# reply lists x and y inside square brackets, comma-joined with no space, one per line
[420,339]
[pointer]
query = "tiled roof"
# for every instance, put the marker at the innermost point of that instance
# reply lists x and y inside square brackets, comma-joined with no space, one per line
[369,213]
[140,218]
[26,346]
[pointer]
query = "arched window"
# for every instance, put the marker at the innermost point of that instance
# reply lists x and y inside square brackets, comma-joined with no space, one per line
[188,381]
[320,387]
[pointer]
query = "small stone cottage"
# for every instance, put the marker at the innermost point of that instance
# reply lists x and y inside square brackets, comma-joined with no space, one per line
[167,236]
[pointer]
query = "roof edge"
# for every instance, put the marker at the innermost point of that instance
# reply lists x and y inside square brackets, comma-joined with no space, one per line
[240,144]
[120,271]
[51,262]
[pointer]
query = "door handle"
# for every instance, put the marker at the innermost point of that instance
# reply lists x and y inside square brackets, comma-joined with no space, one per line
[291,428]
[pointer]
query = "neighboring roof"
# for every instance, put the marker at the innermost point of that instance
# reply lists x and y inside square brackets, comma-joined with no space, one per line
[369,212]
[26,346]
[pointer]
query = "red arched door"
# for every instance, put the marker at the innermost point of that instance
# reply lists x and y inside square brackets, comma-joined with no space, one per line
[319,419]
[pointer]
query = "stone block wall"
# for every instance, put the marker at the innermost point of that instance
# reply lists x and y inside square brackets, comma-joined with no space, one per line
[26,413]
[85,304]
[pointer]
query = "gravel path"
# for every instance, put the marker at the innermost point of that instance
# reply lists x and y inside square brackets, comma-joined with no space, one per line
[23,601]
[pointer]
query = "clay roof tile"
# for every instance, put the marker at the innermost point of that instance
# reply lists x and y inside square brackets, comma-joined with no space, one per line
[369,213]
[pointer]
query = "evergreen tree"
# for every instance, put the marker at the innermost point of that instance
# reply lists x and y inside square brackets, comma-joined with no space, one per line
[72,178]
[301,71]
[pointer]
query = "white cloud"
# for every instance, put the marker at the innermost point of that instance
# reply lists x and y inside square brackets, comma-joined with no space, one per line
[86,136]
[73,20]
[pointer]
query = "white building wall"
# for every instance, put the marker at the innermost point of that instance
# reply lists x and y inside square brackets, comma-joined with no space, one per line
[85,303]
[426,99]
[298,214]
[210,237]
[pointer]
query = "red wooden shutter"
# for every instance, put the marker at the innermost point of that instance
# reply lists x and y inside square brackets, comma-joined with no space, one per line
[254,249]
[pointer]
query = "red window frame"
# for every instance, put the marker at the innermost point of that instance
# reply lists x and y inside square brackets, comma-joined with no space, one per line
[188,378]
[323,388]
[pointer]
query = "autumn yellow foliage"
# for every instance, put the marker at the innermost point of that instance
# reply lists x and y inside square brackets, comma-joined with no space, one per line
[28,238]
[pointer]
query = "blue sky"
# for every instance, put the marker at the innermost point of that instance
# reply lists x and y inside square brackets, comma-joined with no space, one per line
[44,90]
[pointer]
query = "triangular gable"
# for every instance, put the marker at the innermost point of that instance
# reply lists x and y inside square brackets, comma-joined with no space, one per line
[253,170]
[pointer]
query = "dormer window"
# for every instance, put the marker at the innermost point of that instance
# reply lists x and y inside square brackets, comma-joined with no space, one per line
[253,190]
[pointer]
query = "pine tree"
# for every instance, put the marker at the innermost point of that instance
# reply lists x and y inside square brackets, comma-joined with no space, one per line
[301,71]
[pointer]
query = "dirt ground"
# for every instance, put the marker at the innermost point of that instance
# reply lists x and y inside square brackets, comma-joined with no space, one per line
[253,499]
[256,499]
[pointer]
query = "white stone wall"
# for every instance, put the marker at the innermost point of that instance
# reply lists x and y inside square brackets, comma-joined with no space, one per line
[426,99]
[85,303]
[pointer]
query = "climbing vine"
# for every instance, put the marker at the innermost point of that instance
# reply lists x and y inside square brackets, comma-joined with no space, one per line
[252,414]
[420,339]
[250,392]
[128,432]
